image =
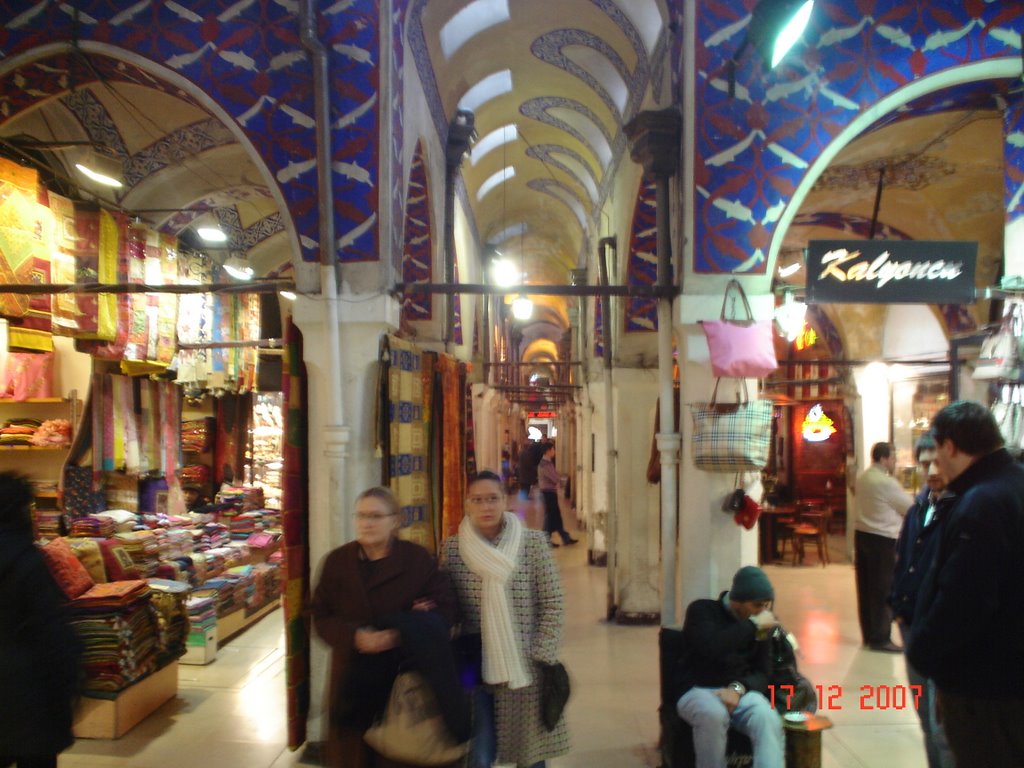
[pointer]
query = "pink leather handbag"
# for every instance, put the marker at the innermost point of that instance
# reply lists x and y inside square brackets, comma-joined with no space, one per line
[741,347]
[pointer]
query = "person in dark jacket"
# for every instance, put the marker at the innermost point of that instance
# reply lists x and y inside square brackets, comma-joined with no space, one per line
[39,651]
[915,553]
[360,608]
[723,673]
[548,481]
[526,471]
[968,628]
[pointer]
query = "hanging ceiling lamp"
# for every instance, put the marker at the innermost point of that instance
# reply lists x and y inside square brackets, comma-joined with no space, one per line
[239,268]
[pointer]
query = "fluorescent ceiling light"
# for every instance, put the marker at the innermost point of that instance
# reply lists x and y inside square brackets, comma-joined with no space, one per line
[790,315]
[290,295]
[212,234]
[239,268]
[101,168]
[776,25]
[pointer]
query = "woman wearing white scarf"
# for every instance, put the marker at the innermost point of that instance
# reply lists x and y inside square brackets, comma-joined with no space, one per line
[510,597]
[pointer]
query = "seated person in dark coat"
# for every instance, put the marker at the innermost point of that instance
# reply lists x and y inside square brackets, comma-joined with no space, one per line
[722,675]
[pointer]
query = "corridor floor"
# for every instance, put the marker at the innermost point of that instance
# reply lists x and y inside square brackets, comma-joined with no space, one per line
[231,713]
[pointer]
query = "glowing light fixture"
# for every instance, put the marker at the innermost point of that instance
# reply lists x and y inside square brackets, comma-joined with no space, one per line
[239,268]
[817,427]
[789,316]
[505,273]
[212,234]
[522,307]
[101,168]
[775,26]
[789,269]
[290,295]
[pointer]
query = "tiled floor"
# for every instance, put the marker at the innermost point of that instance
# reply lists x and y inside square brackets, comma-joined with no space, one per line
[231,713]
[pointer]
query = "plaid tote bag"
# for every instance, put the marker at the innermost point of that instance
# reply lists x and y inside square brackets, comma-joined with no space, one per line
[731,437]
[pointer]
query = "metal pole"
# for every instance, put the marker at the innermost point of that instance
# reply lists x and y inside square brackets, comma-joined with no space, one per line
[611,531]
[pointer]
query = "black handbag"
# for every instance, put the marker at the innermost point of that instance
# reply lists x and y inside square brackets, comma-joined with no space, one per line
[554,693]
[792,691]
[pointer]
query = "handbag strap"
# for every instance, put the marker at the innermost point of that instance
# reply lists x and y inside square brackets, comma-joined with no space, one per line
[734,286]
[745,394]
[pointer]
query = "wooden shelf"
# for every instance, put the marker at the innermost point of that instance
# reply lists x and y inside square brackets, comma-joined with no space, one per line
[45,494]
[32,400]
[34,447]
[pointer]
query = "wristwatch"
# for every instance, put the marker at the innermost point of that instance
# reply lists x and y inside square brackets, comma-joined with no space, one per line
[738,687]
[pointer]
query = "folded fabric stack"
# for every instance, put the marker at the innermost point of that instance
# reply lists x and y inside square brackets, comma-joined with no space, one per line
[196,435]
[271,518]
[93,526]
[177,569]
[216,563]
[244,498]
[215,535]
[230,590]
[143,548]
[266,585]
[118,633]
[245,584]
[175,543]
[244,524]
[195,473]
[53,433]
[47,522]
[169,601]
[202,617]
[18,432]
[124,520]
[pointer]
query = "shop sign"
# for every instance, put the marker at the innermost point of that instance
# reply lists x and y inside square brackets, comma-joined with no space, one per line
[891,271]
[540,414]
[817,427]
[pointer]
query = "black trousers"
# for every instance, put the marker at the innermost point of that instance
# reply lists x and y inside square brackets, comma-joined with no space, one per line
[553,516]
[875,560]
[985,733]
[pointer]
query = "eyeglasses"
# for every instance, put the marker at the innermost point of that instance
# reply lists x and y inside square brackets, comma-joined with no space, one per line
[494,498]
[372,517]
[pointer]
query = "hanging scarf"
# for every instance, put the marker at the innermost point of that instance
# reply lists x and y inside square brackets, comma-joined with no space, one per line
[502,660]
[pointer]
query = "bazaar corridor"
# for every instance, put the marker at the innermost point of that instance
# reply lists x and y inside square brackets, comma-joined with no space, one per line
[231,713]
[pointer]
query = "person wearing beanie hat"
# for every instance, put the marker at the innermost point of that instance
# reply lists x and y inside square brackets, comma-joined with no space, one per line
[721,676]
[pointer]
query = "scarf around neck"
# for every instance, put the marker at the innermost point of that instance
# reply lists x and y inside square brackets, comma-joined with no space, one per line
[502,660]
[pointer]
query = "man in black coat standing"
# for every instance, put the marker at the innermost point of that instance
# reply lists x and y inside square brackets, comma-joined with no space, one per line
[723,672]
[968,628]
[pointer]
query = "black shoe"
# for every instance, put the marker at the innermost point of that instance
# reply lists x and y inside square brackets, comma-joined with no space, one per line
[569,540]
[887,647]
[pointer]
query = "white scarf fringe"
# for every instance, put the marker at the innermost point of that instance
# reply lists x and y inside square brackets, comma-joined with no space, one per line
[502,660]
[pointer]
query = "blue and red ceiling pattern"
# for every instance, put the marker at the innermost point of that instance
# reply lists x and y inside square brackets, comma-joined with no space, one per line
[642,261]
[248,58]
[753,149]
[417,255]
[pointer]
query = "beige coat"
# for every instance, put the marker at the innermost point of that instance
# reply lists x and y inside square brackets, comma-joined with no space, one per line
[537,607]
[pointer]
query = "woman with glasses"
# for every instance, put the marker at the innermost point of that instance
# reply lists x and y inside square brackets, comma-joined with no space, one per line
[510,598]
[382,605]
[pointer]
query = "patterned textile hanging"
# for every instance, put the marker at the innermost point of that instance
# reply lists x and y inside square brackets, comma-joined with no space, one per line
[295,523]
[113,310]
[26,242]
[403,435]
[152,260]
[195,319]
[63,306]
[453,450]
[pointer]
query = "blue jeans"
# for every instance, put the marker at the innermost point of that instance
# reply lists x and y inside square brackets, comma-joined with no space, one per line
[935,744]
[754,717]
[484,748]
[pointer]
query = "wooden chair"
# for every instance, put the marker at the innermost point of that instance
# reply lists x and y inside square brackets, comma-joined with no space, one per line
[812,528]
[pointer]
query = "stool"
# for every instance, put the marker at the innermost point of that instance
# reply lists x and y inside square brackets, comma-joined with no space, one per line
[803,741]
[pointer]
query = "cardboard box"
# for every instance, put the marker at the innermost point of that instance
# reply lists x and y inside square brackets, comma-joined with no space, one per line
[113,718]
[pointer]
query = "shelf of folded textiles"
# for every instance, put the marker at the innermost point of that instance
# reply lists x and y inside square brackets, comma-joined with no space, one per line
[34,447]
[45,494]
[12,401]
